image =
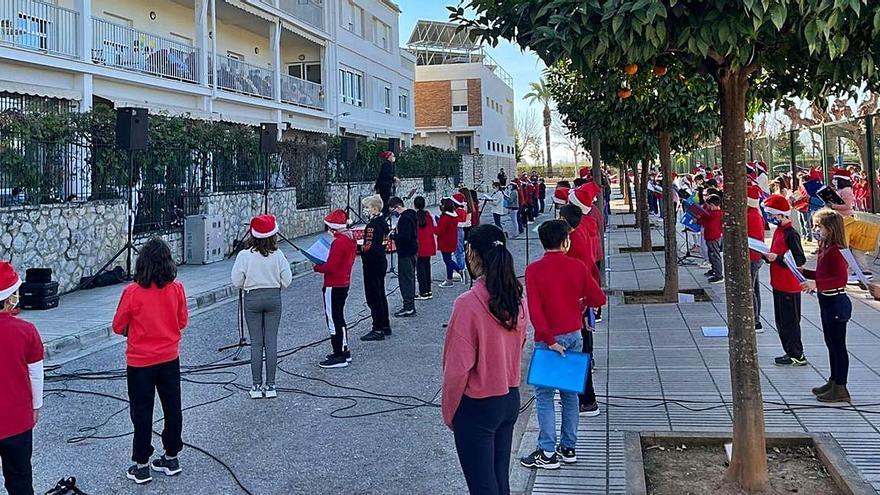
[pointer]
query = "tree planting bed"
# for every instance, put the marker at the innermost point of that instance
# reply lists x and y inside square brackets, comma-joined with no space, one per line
[656,296]
[638,249]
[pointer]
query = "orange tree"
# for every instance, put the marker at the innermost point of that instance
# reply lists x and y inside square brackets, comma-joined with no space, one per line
[770,49]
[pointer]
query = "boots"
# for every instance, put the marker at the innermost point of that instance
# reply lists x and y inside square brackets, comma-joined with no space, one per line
[837,393]
[823,388]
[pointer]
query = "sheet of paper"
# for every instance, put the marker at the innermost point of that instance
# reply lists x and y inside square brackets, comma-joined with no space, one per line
[318,252]
[854,266]
[714,331]
[758,246]
[685,298]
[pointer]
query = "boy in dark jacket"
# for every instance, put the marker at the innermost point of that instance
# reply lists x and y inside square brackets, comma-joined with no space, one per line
[406,240]
[375,267]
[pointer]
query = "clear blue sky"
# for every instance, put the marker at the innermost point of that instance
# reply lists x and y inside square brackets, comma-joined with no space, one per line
[524,67]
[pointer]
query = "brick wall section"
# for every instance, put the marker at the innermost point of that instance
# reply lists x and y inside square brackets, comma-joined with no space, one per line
[475,102]
[433,103]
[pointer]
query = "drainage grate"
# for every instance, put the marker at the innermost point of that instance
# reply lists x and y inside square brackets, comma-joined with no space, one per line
[656,296]
[625,226]
[638,249]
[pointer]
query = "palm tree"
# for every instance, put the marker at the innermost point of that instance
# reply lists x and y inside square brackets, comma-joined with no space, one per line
[541,93]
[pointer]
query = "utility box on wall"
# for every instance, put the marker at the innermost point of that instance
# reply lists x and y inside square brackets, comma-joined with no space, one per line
[203,239]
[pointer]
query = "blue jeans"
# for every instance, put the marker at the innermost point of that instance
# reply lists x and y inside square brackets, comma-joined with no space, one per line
[546,406]
[459,248]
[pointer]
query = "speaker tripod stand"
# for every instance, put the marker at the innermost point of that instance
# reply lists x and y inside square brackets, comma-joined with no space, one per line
[687,259]
[242,340]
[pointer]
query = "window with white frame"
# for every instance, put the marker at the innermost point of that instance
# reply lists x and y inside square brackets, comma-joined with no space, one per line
[382,34]
[352,17]
[403,103]
[351,87]
[383,95]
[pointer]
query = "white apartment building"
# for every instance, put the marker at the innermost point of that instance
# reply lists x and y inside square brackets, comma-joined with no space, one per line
[300,63]
[464,99]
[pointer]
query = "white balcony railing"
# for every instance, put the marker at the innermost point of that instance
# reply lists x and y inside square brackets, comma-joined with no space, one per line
[241,77]
[300,92]
[39,26]
[309,11]
[125,48]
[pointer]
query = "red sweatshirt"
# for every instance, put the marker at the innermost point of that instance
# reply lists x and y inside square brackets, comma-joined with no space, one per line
[20,346]
[155,319]
[427,242]
[785,239]
[755,229]
[337,269]
[447,232]
[832,271]
[599,221]
[558,290]
[711,224]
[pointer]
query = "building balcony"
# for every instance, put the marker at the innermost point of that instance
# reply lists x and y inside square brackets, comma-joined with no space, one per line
[309,11]
[244,78]
[301,93]
[122,47]
[39,26]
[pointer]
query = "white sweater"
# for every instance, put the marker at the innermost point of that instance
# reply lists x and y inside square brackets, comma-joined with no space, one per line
[252,270]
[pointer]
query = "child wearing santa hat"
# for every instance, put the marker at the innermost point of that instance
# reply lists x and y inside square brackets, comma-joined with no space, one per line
[152,314]
[786,287]
[261,271]
[447,239]
[755,227]
[21,380]
[337,280]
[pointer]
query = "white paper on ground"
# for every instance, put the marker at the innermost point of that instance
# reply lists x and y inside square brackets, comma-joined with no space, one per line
[758,246]
[685,298]
[714,331]
[728,448]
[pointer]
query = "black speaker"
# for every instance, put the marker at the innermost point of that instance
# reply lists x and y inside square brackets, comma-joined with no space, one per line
[349,149]
[268,138]
[131,128]
[394,146]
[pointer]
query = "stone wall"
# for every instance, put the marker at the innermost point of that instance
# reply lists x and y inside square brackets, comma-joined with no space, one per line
[74,240]
[339,193]
[480,171]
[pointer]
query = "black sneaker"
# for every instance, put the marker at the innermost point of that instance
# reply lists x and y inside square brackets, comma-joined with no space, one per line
[799,361]
[424,297]
[758,325]
[373,335]
[165,465]
[588,410]
[537,459]
[710,273]
[347,356]
[387,331]
[569,456]
[405,313]
[139,475]
[716,280]
[782,360]
[334,362]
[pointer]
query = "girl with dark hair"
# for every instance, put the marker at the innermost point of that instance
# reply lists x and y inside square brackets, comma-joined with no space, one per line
[447,239]
[152,313]
[829,280]
[481,363]
[261,271]
[474,202]
[427,248]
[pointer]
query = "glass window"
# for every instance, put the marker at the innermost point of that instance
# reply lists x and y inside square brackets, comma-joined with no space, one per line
[459,108]
[387,92]
[382,34]
[353,18]
[351,86]
[463,144]
[403,103]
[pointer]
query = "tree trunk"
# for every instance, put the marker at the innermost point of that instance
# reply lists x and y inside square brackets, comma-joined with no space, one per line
[748,466]
[644,221]
[600,201]
[548,120]
[670,241]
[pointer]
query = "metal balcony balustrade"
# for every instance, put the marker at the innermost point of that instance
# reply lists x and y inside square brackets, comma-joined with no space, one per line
[126,48]
[39,26]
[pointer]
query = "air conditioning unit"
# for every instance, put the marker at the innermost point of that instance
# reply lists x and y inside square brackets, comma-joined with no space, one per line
[203,239]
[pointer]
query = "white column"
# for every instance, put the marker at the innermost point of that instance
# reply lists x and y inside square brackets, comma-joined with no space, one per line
[275,47]
[84,83]
[202,41]
[84,30]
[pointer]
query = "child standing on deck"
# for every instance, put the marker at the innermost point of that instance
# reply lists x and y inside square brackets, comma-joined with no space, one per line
[786,287]
[829,280]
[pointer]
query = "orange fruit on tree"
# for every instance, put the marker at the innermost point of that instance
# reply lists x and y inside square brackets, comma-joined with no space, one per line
[659,71]
[624,93]
[631,69]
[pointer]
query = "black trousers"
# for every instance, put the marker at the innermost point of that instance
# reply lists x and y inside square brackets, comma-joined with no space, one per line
[385,194]
[836,312]
[374,291]
[496,218]
[406,277]
[423,274]
[334,312]
[143,384]
[15,456]
[787,309]
[541,202]
[589,395]
[483,430]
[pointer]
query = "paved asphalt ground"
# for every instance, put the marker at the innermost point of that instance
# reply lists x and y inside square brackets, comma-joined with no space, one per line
[311,440]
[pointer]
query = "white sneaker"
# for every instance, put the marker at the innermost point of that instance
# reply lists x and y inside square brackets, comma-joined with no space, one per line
[256,392]
[270,391]
[456,276]
[447,283]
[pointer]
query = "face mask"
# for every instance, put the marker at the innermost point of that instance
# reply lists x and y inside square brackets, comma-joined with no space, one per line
[817,235]
[395,213]
[367,212]
[774,220]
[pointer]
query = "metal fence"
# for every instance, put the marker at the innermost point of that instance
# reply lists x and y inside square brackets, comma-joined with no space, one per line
[852,143]
[130,49]
[242,77]
[39,26]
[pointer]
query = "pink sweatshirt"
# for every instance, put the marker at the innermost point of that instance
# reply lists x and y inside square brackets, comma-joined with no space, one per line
[846,209]
[481,358]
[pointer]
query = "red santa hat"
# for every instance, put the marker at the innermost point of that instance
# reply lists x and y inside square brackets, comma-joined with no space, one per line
[560,196]
[458,199]
[386,155]
[776,204]
[761,166]
[336,219]
[674,175]
[583,196]
[264,226]
[841,173]
[709,176]
[9,280]
[584,172]
[815,174]
[754,199]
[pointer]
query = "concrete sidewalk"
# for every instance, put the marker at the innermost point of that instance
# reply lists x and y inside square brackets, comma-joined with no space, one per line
[652,359]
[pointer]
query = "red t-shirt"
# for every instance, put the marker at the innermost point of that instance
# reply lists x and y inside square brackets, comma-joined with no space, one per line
[427,242]
[755,230]
[447,233]
[155,319]
[20,345]
[712,224]
[337,269]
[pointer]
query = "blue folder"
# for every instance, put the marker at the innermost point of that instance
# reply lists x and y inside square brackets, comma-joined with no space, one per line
[549,369]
